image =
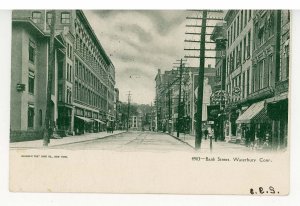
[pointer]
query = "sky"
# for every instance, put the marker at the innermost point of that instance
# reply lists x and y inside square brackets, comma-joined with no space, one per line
[139,42]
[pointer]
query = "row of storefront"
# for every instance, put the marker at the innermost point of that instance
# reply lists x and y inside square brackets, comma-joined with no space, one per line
[263,124]
[75,120]
[255,77]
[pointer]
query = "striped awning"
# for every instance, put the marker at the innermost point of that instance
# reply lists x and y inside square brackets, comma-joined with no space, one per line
[256,113]
[84,119]
[98,120]
[261,117]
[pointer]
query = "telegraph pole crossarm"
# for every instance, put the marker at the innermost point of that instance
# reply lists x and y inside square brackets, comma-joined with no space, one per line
[199,26]
[205,17]
[197,41]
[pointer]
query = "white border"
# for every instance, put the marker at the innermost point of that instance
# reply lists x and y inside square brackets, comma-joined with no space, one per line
[154,4]
[32,199]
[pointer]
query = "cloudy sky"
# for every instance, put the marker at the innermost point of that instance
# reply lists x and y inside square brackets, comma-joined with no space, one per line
[138,43]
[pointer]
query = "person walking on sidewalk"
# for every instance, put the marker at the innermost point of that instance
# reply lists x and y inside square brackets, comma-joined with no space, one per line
[247,136]
[205,133]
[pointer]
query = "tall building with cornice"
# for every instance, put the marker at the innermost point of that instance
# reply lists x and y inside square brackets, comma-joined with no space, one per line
[83,83]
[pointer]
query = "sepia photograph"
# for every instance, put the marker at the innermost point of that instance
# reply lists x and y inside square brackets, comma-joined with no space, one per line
[142,92]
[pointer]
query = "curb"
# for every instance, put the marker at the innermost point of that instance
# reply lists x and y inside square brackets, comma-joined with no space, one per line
[85,140]
[180,140]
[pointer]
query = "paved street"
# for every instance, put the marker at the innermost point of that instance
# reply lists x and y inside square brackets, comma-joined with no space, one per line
[133,141]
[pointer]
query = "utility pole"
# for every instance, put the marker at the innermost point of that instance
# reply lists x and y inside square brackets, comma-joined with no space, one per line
[179,99]
[151,117]
[198,138]
[48,125]
[202,43]
[128,110]
[169,109]
[157,121]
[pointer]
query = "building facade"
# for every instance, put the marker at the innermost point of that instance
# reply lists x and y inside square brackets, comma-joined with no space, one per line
[257,69]
[83,78]
[278,105]
[172,115]
[239,29]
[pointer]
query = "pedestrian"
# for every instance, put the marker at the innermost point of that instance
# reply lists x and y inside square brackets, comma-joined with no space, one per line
[205,133]
[247,136]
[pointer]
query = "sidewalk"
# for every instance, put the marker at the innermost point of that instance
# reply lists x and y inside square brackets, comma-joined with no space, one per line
[66,140]
[219,146]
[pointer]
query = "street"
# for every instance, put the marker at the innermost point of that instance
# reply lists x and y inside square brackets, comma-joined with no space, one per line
[132,141]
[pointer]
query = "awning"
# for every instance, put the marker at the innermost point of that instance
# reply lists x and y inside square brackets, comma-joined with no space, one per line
[277,107]
[98,120]
[277,98]
[256,113]
[261,117]
[84,119]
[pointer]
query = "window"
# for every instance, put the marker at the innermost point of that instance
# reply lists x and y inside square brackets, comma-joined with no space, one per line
[65,18]
[234,30]
[71,52]
[70,73]
[76,90]
[76,67]
[245,19]
[67,75]
[255,34]
[249,42]
[31,50]
[261,69]
[270,65]
[80,70]
[233,60]
[68,49]
[30,116]
[41,117]
[238,26]
[231,34]
[243,85]
[240,52]
[60,91]
[36,17]
[49,18]
[248,82]
[249,15]
[79,92]
[254,78]
[228,35]
[70,96]
[245,48]
[31,82]
[242,19]
[287,60]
